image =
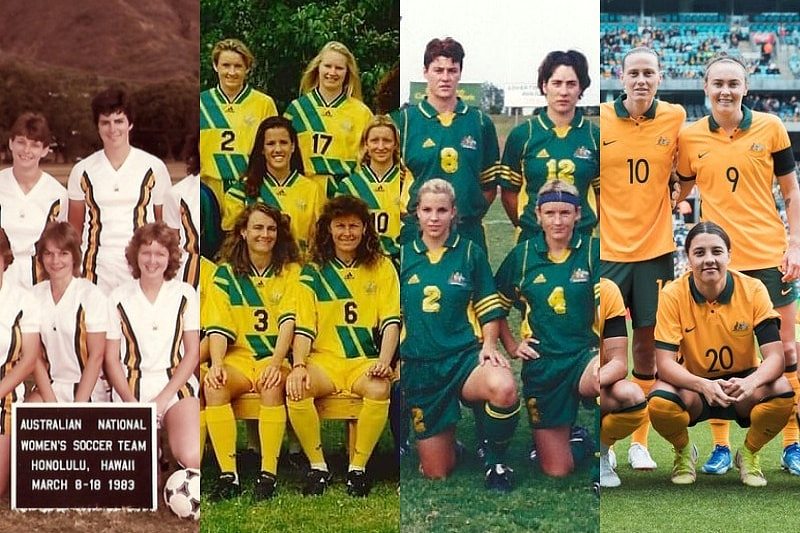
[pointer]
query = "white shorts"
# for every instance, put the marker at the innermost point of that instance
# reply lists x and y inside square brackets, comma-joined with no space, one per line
[112,271]
[150,385]
[65,391]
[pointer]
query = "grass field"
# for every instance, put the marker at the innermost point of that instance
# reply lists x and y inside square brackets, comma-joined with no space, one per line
[461,503]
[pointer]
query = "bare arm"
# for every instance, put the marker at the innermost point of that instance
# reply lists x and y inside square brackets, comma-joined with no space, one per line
[616,369]
[676,375]
[790,266]
[95,344]
[42,379]
[115,375]
[31,352]
[76,214]
[184,370]
[509,201]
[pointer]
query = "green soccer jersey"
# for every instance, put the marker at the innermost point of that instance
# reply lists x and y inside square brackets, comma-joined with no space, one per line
[460,147]
[557,298]
[537,151]
[382,196]
[438,291]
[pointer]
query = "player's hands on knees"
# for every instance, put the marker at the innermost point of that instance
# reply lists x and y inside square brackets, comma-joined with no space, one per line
[525,349]
[379,370]
[216,377]
[297,382]
[491,356]
[270,377]
[714,394]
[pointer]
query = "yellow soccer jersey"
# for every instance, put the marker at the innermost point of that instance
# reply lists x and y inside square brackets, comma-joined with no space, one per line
[249,310]
[636,155]
[714,338]
[382,195]
[228,129]
[734,174]
[297,196]
[207,271]
[328,134]
[343,309]
[611,306]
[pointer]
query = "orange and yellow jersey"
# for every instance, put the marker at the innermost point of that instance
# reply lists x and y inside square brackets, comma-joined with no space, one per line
[328,135]
[344,309]
[637,155]
[734,175]
[714,338]
[249,310]
[228,129]
[297,196]
[611,306]
[382,195]
[207,270]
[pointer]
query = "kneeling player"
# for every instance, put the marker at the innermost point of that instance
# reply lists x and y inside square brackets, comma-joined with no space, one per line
[552,278]
[622,403]
[711,315]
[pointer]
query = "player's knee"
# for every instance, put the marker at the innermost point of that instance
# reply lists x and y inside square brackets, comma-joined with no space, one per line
[436,470]
[215,397]
[377,389]
[627,394]
[502,389]
[557,468]
[666,407]
[273,395]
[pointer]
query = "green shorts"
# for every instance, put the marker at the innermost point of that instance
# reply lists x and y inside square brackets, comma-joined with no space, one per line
[433,390]
[550,389]
[640,283]
[781,293]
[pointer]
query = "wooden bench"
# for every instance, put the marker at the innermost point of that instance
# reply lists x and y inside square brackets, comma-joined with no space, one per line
[337,406]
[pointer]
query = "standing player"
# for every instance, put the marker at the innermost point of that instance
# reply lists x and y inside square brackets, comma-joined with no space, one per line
[714,318]
[275,177]
[445,278]
[552,277]
[733,156]
[74,321]
[153,338]
[182,213]
[347,329]
[250,328]
[622,404]
[229,116]
[639,136]
[113,192]
[29,197]
[378,180]
[329,116]
[558,143]
[19,342]
[444,137]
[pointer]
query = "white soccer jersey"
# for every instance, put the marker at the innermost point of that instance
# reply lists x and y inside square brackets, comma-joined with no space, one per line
[117,202]
[19,313]
[64,325]
[182,212]
[23,216]
[151,333]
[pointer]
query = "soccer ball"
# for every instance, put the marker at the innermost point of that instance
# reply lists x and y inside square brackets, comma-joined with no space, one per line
[182,493]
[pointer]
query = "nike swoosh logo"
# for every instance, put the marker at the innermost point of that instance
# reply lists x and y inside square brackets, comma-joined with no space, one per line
[701,156]
[785,292]
[606,143]
[689,330]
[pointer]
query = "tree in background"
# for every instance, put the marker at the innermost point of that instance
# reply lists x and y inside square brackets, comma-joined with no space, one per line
[285,35]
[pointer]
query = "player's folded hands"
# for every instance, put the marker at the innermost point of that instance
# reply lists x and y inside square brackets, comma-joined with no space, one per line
[739,388]
[379,370]
[714,393]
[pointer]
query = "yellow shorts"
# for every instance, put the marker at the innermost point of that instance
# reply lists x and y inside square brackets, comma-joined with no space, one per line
[342,371]
[249,367]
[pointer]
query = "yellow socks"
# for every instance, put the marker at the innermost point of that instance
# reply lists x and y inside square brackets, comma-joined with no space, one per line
[646,384]
[791,434]
[203,431]
[618,425]
[371,422]
[669,418]
[766,421]
[305,421]
[720,432]
[271,427]
[222,430]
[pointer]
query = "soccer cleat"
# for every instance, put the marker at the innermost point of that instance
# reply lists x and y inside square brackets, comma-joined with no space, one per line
[265,486]
[639,458]
[683,469]
[608,478]
[498,477]
[357,483]
[719,462]
[749,467]
[581,444]
[316,482]
[790,459]
[227,486]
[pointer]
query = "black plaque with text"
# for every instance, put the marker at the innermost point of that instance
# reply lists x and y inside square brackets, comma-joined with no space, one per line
[83,456]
